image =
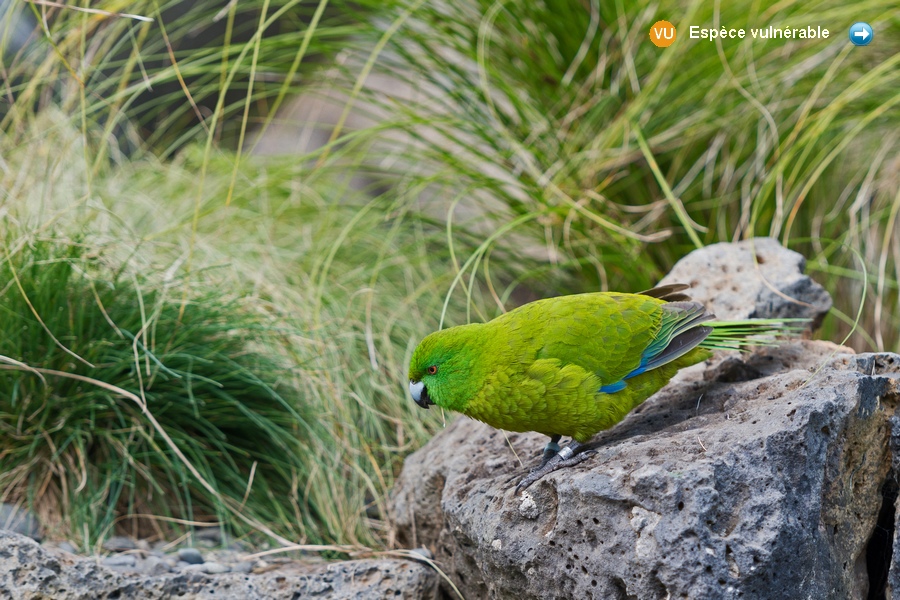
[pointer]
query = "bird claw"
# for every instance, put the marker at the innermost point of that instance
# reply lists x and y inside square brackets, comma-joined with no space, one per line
[559,461]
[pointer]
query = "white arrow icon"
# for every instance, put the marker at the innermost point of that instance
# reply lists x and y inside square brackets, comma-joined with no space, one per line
[863,34]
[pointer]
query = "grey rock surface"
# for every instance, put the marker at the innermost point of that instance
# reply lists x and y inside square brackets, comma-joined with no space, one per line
[753,279]
[755,476]
[768,488]
[29,571]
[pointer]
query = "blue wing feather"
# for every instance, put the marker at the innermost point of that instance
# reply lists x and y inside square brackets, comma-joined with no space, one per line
[612,388]
[679,333]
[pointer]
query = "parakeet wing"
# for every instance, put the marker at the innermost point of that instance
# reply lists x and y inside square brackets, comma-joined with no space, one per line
[669,293]
[614,336]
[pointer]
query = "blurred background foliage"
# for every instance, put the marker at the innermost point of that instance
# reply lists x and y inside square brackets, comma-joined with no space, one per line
[226,225]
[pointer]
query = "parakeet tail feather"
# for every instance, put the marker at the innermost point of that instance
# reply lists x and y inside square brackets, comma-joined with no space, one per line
[738,335]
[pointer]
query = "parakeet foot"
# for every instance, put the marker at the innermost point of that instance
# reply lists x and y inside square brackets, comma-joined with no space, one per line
[566,457]
[550,450]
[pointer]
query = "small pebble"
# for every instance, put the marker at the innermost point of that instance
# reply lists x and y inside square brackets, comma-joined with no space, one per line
[209,534]
[190,555]
[67,547]
[214,568]
[155,565]
[260,566]
[245,566]
[119,543]
[424,552]
[120,560]
[528,507]
[188,568]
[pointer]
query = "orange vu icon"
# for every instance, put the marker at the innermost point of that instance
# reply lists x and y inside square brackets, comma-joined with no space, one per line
[662,34]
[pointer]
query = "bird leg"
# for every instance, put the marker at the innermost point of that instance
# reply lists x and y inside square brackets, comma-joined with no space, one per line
[567,457]
[550,450]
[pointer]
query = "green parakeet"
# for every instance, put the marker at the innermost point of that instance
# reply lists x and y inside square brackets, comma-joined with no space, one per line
[572,365]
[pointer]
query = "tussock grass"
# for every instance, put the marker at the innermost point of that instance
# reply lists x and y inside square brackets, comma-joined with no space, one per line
[85,456]
[303,299]
[165,73]
[619,157]
[83,453]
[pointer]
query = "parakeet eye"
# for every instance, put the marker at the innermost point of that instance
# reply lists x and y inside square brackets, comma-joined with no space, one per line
[432,370]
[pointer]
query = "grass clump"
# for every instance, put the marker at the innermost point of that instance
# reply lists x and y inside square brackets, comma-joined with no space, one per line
[332,289]
[75,332]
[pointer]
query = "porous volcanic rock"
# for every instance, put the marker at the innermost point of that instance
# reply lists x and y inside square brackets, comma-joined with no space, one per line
[753,279]
[29,571]
[752,476]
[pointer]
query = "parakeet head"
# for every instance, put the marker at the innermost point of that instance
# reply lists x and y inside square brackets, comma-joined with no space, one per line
[444,368]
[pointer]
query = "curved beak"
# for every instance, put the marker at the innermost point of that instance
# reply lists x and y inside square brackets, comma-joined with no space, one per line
[420,394]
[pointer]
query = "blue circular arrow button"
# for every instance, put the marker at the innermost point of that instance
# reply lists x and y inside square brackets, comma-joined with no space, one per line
[861,34]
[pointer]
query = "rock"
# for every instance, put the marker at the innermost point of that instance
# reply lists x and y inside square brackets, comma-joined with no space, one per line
[245,566]
[391,579]
[191,568]
[120,560]
[190,555]
[119,543]
[261,566]
[769,488]
[728,281]
[761,476]
[212,536]
[154,565]
[29,571]
[214,568]
[20,520]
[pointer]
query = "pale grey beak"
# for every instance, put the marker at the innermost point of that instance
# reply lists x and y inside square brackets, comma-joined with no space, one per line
[420,394]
